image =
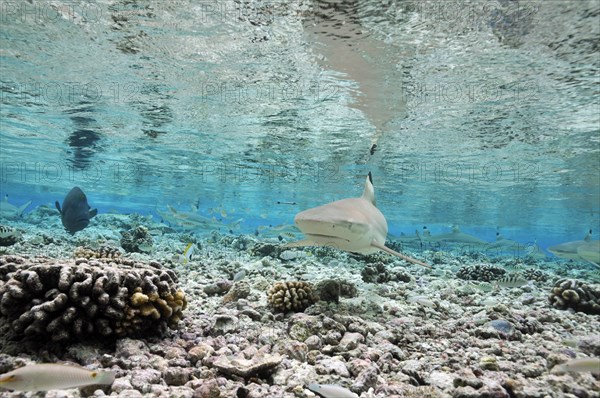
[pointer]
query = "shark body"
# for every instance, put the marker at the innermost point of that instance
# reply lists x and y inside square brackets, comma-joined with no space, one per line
[10,211]
[352,224]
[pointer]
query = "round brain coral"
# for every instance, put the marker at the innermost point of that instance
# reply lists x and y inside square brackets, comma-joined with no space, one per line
[291,296]
[76,299]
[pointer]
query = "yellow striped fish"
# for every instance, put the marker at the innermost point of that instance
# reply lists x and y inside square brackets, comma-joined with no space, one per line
[51,376]
[511,281]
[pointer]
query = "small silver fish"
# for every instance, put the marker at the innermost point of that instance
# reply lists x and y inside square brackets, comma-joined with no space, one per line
[579,365]
[145,247]
[421,300]
[239,276]
[331,391]
[51,376]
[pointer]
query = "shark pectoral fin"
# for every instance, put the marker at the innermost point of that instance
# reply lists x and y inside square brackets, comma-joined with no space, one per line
[300,243]
[592,262]
[58,206]
[93,212]
[395,253]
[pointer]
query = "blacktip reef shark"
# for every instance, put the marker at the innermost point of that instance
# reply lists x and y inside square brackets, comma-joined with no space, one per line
[10,211]
[590,251]
[353,224]
[535,251]
[504,243]
[455,236]
[194,220]
[568,250]
[586,249]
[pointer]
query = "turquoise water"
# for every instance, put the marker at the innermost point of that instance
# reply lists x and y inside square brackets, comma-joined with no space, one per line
[484,114]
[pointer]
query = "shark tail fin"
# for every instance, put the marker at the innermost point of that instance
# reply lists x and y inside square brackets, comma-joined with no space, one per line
[402,256]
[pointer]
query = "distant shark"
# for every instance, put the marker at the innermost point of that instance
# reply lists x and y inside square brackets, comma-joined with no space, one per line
[586,249]
[353,225]
[534,251]
[503,243]
[10,211]
[590,251]
[194,220]
[456,236]
[569,249]
[425,238]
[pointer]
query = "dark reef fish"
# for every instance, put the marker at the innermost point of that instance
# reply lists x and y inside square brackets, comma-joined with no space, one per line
[75,212]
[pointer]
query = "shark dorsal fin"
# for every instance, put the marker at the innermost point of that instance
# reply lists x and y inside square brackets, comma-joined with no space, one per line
[369,191]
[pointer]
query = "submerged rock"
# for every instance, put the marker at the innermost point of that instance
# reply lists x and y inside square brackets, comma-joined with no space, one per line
[137,240]
[240,366]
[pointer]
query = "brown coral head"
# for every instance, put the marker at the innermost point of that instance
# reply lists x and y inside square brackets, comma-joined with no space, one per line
[570,295]
[291,296]
[61,300]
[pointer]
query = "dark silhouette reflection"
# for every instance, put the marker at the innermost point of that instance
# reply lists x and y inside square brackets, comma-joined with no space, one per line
[83,141]
[349,47]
